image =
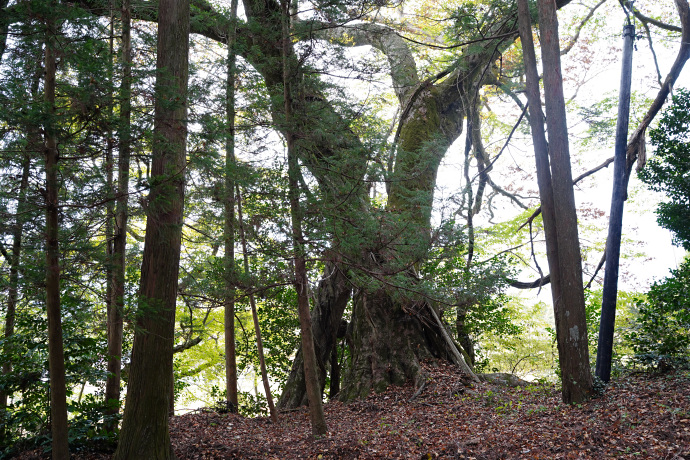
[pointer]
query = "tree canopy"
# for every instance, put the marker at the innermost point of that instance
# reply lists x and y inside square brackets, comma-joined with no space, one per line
[382,159]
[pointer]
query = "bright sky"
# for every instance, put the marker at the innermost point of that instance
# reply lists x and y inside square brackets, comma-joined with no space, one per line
[651,252]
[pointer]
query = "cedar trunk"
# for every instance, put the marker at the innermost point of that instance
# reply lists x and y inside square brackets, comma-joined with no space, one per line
[56,357]
[318,421]
[145,423]
[569,304]
[116,303]
[618,197]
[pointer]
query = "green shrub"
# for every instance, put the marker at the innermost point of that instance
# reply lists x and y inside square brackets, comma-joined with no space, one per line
[660,333]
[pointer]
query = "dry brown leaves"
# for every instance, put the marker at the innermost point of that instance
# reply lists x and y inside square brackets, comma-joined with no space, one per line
[640,416]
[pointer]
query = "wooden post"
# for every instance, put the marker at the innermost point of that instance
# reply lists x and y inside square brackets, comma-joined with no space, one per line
[619,194]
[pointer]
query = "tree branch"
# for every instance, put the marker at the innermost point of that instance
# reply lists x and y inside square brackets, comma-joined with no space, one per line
[403,68]
[575,37]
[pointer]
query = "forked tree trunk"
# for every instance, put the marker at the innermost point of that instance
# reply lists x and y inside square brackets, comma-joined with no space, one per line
[145,432]
[569,305]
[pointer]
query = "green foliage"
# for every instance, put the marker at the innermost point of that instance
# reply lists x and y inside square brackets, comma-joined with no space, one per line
[531,352]
[660,334]
[601,117]
[668,171]
[625,316]
[474,294]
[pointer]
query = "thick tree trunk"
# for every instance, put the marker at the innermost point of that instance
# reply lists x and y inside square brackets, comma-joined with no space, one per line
[145,424]
[56,357]
[117,302]
[389,342]
[569,305]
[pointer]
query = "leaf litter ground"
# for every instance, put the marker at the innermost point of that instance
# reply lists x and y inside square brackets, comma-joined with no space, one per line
[639,416]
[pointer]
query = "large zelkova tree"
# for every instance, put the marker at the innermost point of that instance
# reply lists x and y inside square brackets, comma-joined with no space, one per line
[373,252]
[145,422]
[399,330]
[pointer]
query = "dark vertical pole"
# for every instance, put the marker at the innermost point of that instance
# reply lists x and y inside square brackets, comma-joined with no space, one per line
[613,242]
[229,225]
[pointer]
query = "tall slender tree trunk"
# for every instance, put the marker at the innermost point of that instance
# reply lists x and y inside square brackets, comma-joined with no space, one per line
[569,305]
[110,205]
[13,288]
[110,185]
[56,357]
[229,227]
[35,145]
[255,316]
[4,28]
[318,421]
[117,304]
[541,149]
[618,196]
[145,433]
[333,293]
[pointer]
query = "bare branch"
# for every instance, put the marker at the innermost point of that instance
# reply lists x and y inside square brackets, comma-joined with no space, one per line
[647,20]
[575,37]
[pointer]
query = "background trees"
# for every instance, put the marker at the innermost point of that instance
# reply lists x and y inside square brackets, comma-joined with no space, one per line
[390,256]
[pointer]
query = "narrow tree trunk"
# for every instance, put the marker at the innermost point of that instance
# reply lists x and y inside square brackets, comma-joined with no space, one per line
[56,358]
[334,388]
[541,149]
[318,421]
[569,307]
[145,423]
[110,205]
[333,294]
[13,287]
[4,28]
[117,304]
[109,179]
[255,316]
[229,227]
[618,196]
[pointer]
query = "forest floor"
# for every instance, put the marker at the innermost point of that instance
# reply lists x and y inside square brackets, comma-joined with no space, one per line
[639,416]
